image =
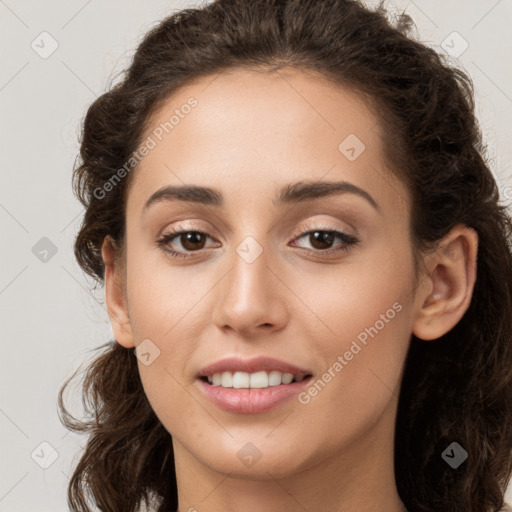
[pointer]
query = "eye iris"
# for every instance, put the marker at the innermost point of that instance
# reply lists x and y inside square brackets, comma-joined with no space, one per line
[323,237]
[191,238]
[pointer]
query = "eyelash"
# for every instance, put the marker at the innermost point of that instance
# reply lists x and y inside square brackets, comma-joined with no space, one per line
[349,241]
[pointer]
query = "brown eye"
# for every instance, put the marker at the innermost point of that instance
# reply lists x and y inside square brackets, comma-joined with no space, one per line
[183,243]
[192,240]
[321,239]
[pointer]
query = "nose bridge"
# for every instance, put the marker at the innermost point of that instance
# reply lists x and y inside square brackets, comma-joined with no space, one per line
[248,284]
[249,297]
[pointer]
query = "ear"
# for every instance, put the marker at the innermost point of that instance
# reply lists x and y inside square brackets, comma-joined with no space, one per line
[115,295]
[446,290]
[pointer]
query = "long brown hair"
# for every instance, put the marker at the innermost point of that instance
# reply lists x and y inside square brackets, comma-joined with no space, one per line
[457,388]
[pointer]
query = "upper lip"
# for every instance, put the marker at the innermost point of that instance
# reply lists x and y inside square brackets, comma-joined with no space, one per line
[256,364]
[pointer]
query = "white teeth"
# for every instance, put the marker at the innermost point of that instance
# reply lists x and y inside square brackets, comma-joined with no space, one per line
[274,378]
[257,380]
[226,380]
[240,380]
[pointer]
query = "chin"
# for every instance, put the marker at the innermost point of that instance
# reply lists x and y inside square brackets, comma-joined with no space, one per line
[255,458]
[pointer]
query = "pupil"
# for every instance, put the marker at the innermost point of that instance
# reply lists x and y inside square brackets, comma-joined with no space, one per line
[322,237]
[192,238]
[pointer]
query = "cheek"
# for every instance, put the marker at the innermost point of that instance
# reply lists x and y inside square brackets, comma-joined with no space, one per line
[161,297]
[363,300]
[366,327]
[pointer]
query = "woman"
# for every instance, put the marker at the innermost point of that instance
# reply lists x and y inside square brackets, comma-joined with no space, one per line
[303,246]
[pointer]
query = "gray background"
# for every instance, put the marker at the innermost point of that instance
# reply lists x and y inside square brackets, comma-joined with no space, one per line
[50,319]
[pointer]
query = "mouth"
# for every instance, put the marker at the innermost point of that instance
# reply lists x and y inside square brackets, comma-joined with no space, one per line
[251,386]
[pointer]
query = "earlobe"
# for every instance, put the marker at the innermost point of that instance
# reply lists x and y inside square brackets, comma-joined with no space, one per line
[115,296]
[445,293]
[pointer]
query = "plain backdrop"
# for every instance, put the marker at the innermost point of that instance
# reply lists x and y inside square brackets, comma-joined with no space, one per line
[57,56]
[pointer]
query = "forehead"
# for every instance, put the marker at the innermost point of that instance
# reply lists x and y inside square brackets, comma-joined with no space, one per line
[254,130]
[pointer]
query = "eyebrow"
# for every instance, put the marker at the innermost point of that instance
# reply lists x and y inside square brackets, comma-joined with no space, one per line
[289,194]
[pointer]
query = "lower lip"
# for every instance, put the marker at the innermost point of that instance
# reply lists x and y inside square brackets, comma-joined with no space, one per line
[251,401]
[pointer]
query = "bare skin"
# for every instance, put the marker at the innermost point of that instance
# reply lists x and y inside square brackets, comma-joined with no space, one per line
[250,135]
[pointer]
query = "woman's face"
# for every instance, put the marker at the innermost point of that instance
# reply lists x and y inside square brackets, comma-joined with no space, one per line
[320,279]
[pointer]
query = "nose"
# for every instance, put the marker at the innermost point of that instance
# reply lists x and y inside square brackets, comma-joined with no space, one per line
[251,298]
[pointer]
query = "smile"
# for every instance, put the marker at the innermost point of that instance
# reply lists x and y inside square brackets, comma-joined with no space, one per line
[251,386]
[258,380]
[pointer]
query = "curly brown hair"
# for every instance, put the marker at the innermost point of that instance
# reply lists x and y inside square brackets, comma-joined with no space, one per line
[458,388]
